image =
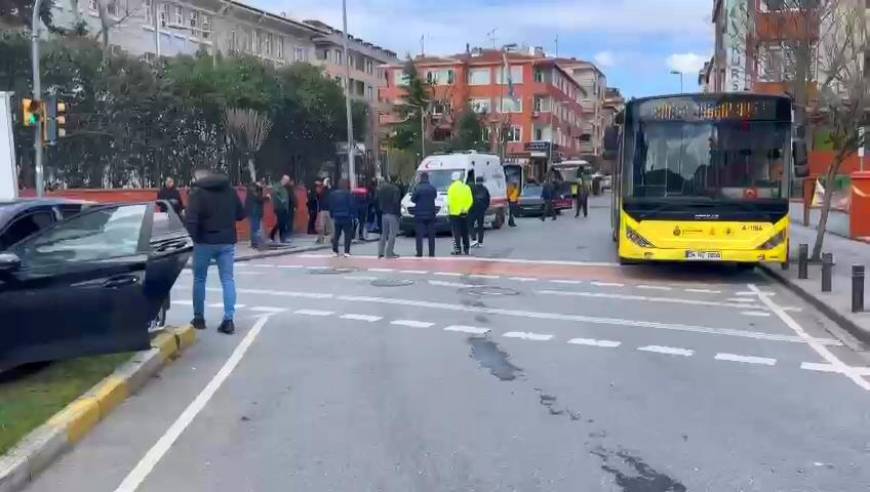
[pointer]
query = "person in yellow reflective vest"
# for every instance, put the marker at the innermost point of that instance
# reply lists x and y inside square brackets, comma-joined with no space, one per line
[459,201]
[513,196]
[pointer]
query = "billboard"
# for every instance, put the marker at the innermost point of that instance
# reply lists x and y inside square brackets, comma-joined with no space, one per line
[8,176]
[738,19]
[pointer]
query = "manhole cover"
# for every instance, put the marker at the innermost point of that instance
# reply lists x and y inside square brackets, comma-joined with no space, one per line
[491,290]
[331,270]
[386,282]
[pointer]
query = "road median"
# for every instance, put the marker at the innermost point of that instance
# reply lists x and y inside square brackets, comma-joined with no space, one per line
[47,441]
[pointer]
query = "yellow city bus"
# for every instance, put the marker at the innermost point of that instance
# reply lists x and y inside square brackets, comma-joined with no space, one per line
[704,177]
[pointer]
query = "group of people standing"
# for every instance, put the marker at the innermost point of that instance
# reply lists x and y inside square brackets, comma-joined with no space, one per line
[283,198]
[467,206]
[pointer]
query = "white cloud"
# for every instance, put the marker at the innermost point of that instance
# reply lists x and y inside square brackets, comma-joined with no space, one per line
[690,63]
[605,59]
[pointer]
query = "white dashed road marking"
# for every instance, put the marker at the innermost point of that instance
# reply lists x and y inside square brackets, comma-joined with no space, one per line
[523,279]
[267,309]
[607,284]
[441,283]
[468,329]
[412,323]
[490,277]
[220,305]
[414,272]
[704,291]
[183,303]
[653,287]
[567,282]
[448,274]
[381,270]
[746,359]
[659,349]
[361,277]
[635,297]
[361,317]
[740,299]
[313,312]
[762,314]
[291,267]
[595,343]
[538,337]
[822,367]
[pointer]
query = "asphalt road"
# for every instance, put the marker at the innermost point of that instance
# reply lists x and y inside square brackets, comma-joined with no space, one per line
[537,365]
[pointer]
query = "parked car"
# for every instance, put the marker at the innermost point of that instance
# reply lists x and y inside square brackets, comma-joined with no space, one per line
[531,204]
[91,284]
[22,218]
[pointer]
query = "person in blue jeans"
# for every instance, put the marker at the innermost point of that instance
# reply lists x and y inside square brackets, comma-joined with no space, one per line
[212,212]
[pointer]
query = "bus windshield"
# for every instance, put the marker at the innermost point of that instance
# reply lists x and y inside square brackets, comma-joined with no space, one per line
[718,160]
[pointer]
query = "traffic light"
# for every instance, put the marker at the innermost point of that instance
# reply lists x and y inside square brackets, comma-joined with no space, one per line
[31,111]
[55,119]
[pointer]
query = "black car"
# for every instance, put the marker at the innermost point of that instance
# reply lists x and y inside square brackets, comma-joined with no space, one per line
[21,218]
[530,203]
[91,284]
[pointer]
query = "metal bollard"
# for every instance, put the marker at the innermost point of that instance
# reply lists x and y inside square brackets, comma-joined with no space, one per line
[827,266]
[803,257]
[857,288]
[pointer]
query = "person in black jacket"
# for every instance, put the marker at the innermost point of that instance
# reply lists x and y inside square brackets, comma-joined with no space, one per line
[255,198]
[389,202]
[478,212]
[212,213]
[342,212]
[313,206]
[424,213]
[171,194]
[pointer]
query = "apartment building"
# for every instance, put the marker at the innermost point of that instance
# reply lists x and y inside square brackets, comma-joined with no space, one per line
[531,98]
[593,83]
[187,27]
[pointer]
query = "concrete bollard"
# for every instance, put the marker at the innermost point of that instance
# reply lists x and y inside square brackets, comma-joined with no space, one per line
[803,258]
[827,267]
[857,288]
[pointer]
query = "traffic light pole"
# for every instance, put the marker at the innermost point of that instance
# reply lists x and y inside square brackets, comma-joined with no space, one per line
[37,96]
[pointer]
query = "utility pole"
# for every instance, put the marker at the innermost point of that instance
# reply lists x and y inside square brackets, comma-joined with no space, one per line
[37,96]
[156,29]
[422,134]
[351,165]
[677,72]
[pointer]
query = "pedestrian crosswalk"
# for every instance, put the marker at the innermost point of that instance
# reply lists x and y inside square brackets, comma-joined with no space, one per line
[653,350]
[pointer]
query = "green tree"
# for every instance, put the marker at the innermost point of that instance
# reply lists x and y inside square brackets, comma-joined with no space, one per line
[418,98]
[470,134]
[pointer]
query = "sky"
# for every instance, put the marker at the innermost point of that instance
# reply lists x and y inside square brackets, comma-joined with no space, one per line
[637,43]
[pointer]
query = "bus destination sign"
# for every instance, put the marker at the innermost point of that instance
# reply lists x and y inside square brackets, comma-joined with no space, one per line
[694,110]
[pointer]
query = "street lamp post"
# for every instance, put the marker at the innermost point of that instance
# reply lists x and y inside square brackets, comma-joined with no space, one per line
[37,96]
[351,171]
[677,72]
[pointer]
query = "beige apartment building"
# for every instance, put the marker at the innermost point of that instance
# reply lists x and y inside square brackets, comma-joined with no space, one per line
[594,89]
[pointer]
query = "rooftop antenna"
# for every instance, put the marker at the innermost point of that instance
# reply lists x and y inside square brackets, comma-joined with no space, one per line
[556,48]
[491,36]
[422,45]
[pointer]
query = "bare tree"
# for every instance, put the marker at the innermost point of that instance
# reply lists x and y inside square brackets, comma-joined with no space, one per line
[844,94]
[248,130]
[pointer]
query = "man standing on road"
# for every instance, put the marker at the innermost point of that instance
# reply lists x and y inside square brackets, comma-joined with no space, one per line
[313,206]
[171,194]
[213,210]
[361,206]
[281,206]
[254,203]
[388,200]
[548,194]
[459,201]
[323,216]
[424,213]
[582,197]
[290,186]
[341,209]
[513,196]
[477,214]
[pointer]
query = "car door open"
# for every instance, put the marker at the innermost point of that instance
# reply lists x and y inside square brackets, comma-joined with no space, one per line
[79,287]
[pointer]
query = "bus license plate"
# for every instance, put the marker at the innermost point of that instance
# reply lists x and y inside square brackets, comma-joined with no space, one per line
[703,255]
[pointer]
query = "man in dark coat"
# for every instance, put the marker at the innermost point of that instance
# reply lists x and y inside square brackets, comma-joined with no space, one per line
[171,194]
[478,211]
[313,206]
[389,202]
[424,213]
[255,198]
[342,211]
[212,213]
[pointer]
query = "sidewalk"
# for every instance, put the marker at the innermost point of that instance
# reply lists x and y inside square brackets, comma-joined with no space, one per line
[299,243]
[836,304]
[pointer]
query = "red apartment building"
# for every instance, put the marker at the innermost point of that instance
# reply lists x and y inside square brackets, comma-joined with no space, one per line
[545,107]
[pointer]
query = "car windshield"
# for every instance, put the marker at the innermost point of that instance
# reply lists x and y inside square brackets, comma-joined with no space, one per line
[532,190]
[442,178]
[718,160]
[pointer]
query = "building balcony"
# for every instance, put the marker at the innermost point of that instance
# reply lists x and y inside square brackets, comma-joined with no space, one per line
[784,25]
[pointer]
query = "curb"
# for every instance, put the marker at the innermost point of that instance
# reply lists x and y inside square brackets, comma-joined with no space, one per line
[270,254]
[46,443]
[837,317]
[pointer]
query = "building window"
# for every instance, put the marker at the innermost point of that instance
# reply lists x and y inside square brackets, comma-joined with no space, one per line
[440,107]
[775,5]
[515,134]
[539,134]
[206,26]
[481,105]
[370,92]
[112,8]
[261,42]
[539,75]
[149,15]
[479,76]
[516,75]
[339,60]
[193,20]
[163,14]
[399,78]
[370,67]
[361,63]
[279,47]
[485,133]
[440,77]
[321,55]
[542,104]
[299,55]
[178,16]
[511,105]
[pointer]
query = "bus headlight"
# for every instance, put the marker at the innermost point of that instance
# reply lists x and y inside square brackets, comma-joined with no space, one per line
[636,238]
[775,241]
